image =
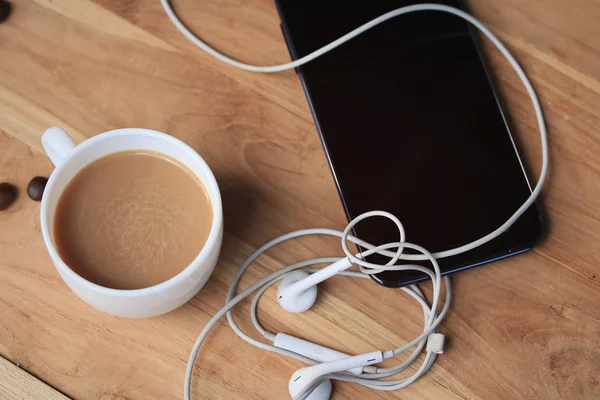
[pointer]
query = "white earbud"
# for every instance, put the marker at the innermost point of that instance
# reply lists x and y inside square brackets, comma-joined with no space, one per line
[297,291]
[321,392]
[302,380]
[291,298]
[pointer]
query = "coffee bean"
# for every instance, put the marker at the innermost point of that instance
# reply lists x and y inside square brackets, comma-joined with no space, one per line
[36,186]
[5,9]
[8,194]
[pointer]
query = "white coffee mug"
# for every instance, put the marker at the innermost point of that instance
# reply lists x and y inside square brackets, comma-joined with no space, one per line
[70,159]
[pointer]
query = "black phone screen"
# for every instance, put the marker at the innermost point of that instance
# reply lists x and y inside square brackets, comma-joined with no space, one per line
[411,125]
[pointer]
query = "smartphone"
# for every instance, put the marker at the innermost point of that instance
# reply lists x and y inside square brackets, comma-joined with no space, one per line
[411,124]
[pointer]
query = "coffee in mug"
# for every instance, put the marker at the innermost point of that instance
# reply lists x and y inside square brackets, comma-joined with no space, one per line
[132,219]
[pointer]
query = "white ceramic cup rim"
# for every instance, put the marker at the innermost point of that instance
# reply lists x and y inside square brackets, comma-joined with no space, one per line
[212,189]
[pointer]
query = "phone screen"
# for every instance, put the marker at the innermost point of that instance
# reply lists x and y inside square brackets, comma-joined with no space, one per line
[411,125]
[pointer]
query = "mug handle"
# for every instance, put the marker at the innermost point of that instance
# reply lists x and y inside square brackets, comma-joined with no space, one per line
[57,144]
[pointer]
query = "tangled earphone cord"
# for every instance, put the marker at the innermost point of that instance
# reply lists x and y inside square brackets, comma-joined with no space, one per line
[431,316]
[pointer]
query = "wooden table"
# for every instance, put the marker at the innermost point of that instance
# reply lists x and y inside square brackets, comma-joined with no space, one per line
[524,328]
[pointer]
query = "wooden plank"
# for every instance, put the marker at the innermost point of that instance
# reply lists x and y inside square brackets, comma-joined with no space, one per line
[16,384]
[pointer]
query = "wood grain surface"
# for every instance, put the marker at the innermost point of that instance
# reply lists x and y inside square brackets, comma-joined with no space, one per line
[16,384]
[524,328]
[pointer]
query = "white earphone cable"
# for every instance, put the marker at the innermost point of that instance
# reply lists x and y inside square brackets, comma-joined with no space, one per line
[431,316]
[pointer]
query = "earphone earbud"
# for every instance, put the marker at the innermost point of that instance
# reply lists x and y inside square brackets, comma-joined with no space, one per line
[294,298]
[297,291]
[321,392]
[304,378]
